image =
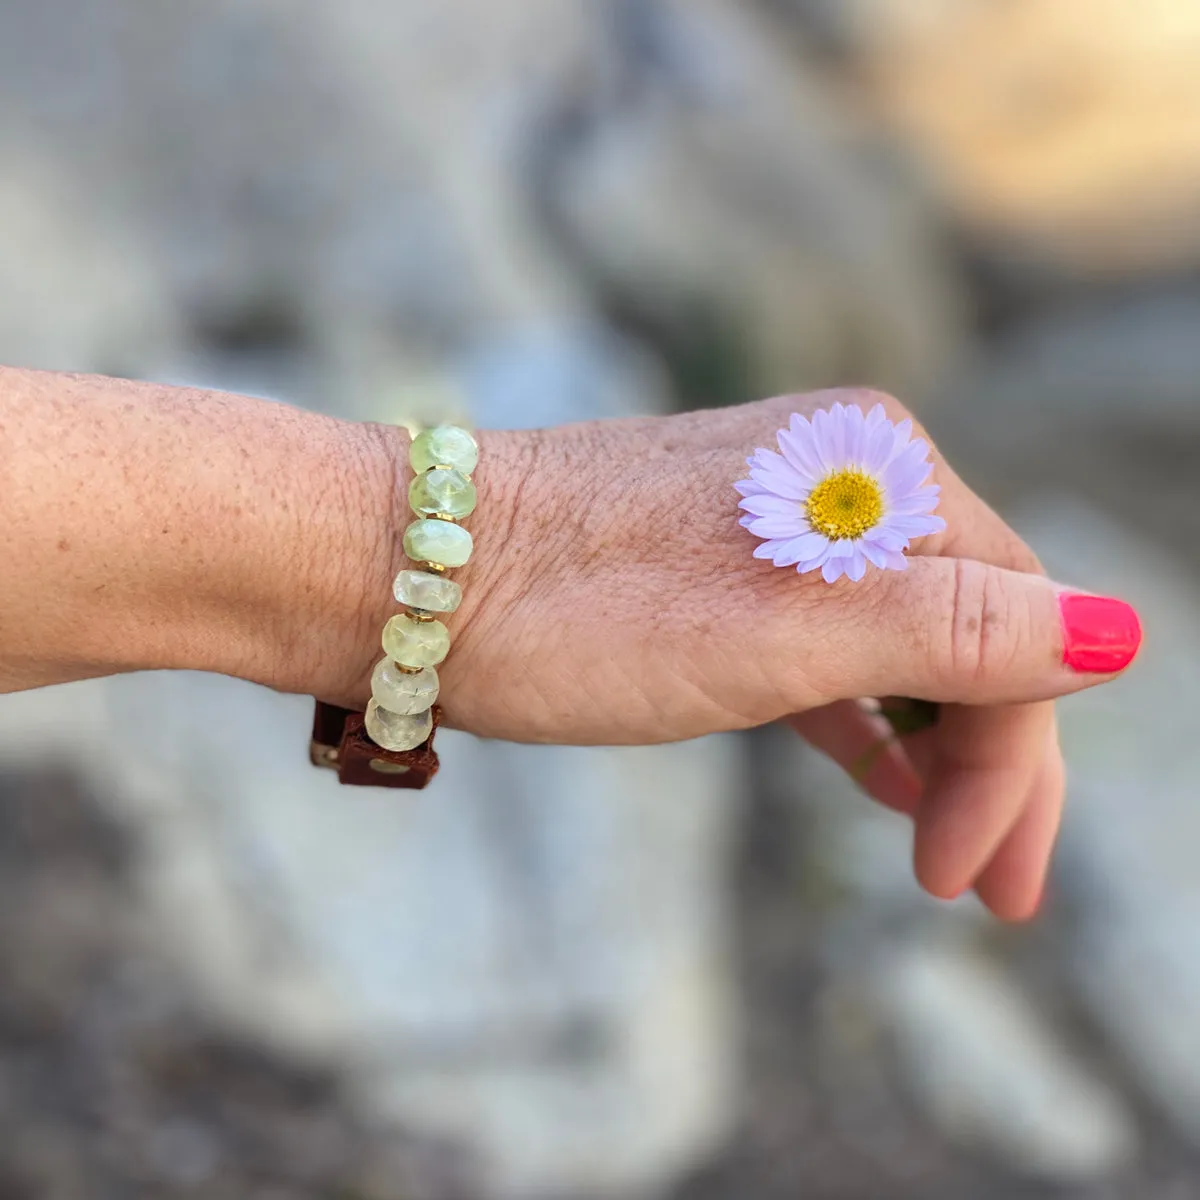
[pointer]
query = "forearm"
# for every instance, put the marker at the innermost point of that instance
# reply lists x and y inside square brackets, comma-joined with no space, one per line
[154,527]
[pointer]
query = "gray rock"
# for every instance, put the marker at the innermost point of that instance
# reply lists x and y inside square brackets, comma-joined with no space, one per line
[1128,865]
[553,373]
[1103,400]
[388,183]
[311,174]
[531,957]
[1074,371]
[79,289]
[992,1074]
[715,188]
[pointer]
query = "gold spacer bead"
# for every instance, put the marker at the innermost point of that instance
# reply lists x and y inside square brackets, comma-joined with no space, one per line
[383,767]
[446,467]
[407,670]
[436,568]
[442,517]
[323,756]
[419,614]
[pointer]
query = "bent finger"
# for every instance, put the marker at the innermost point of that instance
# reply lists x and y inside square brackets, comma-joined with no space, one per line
[1011,885]
[981,774]
[863,745]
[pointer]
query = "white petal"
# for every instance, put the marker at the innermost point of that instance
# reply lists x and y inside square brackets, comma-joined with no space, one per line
[856,435]
[831,571]
[798,549]
[874,553]
[857,567]
[750,487]
[907,471]
[839,425]
[878,445]
[764,458]
[887,538]
[799,449]
[780,527]
[765,504]
[823,441]
[773,473]
[787,487]
[914,527]
[924,500]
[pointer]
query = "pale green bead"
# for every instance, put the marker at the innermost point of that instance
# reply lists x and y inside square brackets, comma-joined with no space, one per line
[431,540]
[445,446]
[442,490]
[423,589]
[404,692]
[397,731]
[415,643]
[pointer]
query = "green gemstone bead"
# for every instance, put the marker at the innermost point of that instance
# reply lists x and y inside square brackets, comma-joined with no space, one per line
[424,590]
[445,446]
[442,490]
[404,692]
[431,540]
[415,643]
[397,731]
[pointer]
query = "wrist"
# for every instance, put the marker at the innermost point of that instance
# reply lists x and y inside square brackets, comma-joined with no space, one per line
[353,565]
[341,541]
[276,555]
[496,580]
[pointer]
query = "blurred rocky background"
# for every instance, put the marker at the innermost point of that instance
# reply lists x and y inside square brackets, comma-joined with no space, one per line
[693,972]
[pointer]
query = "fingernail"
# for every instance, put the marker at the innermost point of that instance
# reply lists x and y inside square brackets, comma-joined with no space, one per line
[1100,635]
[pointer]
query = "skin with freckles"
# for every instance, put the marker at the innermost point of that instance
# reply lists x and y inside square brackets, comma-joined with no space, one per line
[612,598]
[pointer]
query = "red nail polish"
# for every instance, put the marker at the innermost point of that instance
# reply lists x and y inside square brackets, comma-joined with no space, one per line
[1100,635]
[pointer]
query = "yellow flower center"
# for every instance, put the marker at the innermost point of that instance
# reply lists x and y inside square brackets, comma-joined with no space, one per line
[845,504]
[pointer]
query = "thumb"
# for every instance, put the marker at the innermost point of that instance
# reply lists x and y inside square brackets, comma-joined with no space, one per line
[958,631]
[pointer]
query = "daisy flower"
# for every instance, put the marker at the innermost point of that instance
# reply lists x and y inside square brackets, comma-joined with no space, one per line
[844,491]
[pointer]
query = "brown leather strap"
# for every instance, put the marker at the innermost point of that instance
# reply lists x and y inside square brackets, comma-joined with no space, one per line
[340,742]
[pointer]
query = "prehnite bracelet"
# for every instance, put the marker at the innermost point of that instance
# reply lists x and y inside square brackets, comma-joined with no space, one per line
[391,743]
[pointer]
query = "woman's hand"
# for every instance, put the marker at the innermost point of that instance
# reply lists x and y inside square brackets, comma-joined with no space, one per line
[614,598]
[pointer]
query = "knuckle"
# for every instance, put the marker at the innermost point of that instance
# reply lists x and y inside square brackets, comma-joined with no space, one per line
[864,397]
[985,632]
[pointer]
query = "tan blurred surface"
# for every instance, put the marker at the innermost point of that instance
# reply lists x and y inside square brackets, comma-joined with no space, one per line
[1073,125]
